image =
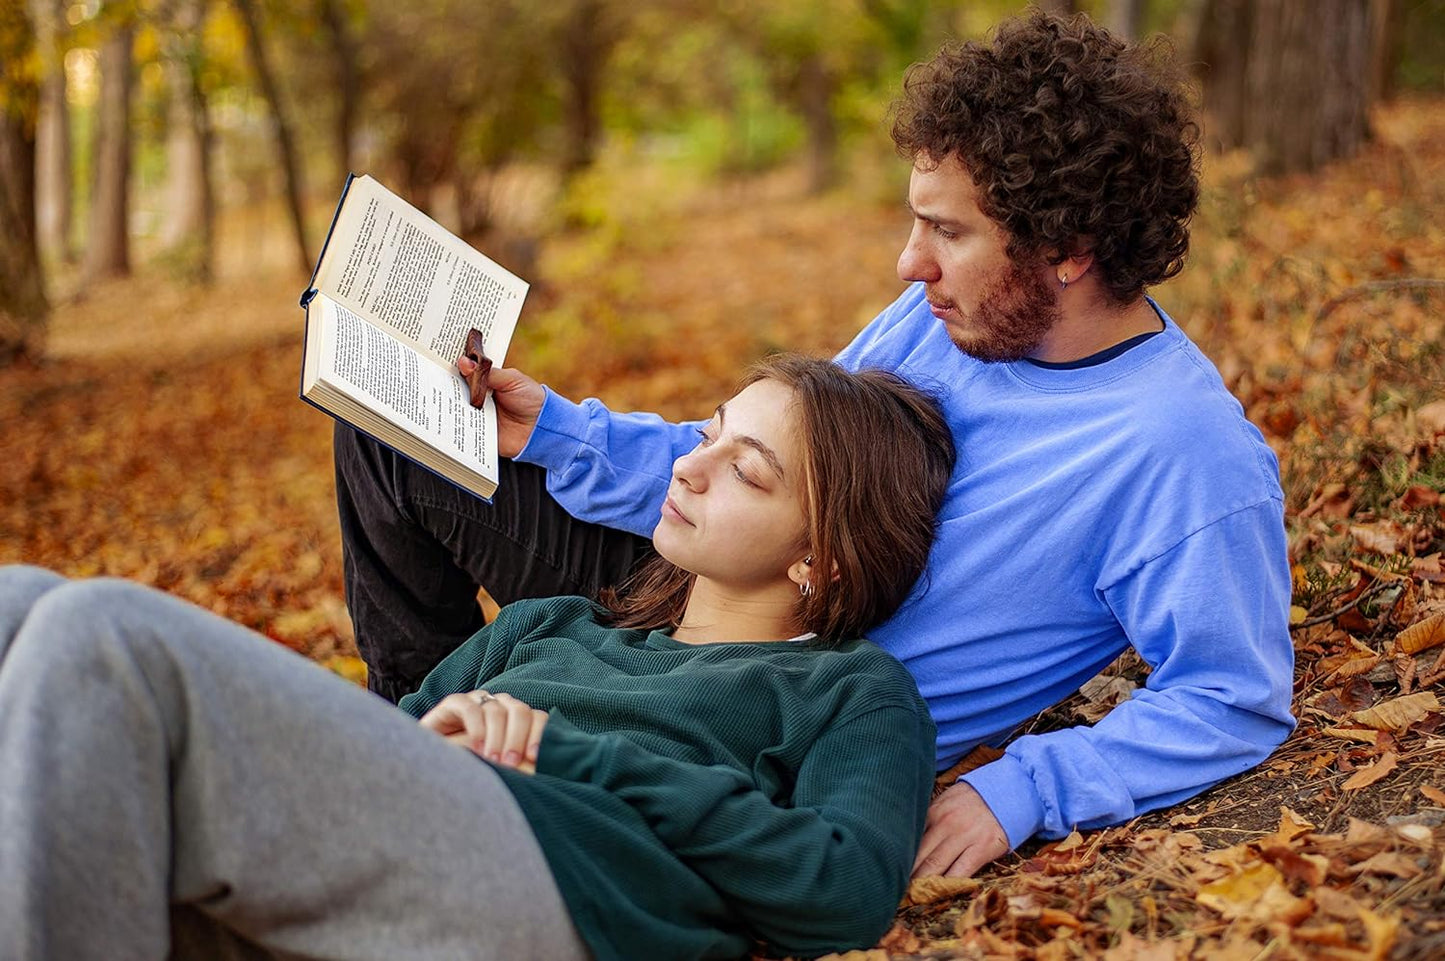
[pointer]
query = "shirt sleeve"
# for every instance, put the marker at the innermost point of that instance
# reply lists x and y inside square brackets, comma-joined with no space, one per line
[1211,618]
[835,859]
[607,468]
[613,469]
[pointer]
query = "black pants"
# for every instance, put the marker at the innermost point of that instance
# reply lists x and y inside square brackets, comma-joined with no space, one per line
[416,548]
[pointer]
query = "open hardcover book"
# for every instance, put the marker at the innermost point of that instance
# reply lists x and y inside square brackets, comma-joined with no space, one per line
[388,311]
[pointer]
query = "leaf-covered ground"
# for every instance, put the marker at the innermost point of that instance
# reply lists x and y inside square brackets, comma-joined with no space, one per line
[162,440]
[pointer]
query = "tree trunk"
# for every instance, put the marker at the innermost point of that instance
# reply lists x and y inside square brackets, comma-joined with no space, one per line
[816,86]
[53,153]
[586,43]
[108,245]
[1221,48]
[1287,79]
[190,209]
[1307,82]
[280,125]
[1126,18]
[23,308]
[348,84]
[1387,48]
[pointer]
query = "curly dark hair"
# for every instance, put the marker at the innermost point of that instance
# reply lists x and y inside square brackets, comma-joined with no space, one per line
[1077,141]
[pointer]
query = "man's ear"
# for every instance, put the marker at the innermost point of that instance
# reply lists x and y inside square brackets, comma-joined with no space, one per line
[1072,269]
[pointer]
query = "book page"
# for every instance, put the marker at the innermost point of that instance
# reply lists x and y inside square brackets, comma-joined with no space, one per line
[384,374]
[395,266]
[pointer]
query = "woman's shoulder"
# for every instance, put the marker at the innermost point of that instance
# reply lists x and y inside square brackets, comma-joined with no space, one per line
[534,614]
[868,673]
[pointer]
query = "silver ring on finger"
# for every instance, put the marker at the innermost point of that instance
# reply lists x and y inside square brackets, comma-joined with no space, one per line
[482,697]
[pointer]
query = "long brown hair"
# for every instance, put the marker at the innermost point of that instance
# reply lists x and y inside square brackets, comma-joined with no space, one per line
[877,455]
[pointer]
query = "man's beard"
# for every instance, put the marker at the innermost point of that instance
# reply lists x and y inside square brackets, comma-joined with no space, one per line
[1012,317]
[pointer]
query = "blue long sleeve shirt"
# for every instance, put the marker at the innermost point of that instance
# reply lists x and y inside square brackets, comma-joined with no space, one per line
[1125,503]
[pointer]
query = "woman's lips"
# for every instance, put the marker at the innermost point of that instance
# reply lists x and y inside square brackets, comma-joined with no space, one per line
[670,509]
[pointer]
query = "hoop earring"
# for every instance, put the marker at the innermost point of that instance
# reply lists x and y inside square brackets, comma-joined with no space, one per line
[806,589]
[1063,283]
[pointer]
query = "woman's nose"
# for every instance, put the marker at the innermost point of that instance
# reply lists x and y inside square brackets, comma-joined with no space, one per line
[690,470]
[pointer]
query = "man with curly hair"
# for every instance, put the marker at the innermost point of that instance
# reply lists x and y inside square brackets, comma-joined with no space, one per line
[1109,491]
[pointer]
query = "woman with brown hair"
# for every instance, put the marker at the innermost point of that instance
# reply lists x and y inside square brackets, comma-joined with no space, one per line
[709,759]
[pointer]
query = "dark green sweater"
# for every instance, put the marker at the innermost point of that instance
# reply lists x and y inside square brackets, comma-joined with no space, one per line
[693,798]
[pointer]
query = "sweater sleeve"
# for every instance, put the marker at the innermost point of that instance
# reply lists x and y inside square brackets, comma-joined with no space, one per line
[825,872]
[484,655]
[606,468]
[1211,618]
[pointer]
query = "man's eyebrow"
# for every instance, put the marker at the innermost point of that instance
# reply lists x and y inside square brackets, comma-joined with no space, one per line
[938,221]
[767,452]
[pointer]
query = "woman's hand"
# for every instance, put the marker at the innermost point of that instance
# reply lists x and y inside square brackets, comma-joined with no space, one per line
[497,727]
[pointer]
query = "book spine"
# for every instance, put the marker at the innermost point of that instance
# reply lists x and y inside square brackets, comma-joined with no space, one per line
[310,291]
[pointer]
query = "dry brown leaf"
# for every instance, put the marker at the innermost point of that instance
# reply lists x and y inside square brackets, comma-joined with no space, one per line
[1432,416]
[1428,568]
[1133,948]
[1335,903]
[1069,843]
[1422,636]
[1434,794]
[929,890]
[1365,735]
[1364,833]
[1385,537]
[1399,713]
[1391,863]
[1310,869]
[978,757]
[1291,825]
[1382,931]
[1357,665]
[1417,834]
[1405,670]
[1332,935]
[1373,574]
[1054,918]
[901,940]
[1258,892]
[1366,776]
[1358,694]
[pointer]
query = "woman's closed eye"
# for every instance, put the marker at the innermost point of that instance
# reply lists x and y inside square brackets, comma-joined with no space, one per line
[742,476]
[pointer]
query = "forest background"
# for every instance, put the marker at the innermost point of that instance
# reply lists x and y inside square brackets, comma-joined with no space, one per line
[689,185]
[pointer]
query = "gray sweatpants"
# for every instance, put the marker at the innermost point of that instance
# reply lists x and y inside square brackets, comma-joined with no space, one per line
[172,784]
